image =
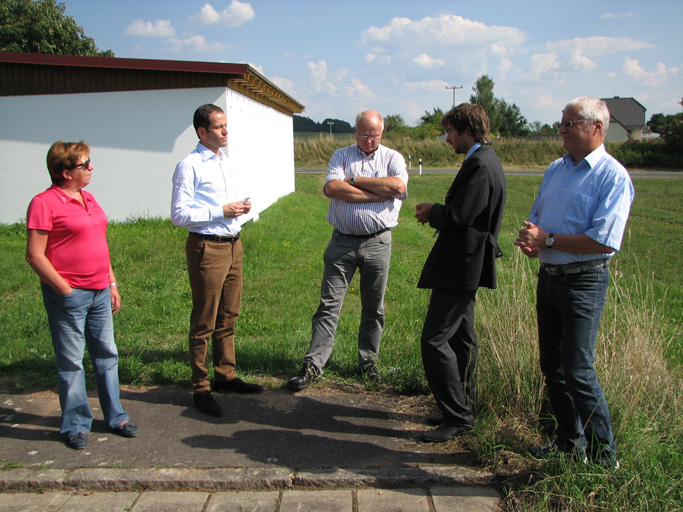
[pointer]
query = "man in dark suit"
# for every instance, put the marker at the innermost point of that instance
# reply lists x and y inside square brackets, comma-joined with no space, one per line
[462,260]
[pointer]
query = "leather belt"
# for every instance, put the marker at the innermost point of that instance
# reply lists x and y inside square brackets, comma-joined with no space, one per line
[217,238]
[365,236]
[574,268]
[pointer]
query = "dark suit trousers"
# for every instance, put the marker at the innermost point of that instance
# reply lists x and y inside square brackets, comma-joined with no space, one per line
[449,353]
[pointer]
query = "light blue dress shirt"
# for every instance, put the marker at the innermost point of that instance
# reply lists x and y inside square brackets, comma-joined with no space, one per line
[592,197]
[202,183]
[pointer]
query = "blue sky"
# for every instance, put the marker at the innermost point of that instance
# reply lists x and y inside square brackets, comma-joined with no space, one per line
[398,56]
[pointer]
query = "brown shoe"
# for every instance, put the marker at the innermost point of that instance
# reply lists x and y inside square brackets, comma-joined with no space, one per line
[206,404]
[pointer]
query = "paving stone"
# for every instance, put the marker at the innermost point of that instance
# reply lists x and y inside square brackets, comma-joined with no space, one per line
[317,501]
[167,501]
[403,500]
[29,502]
[257,501]
[99,502]
[466,499]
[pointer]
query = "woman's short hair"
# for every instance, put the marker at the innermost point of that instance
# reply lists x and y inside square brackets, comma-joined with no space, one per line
[469,115]
[64,155]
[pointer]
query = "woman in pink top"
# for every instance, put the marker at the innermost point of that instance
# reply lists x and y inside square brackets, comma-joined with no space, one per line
[67,248]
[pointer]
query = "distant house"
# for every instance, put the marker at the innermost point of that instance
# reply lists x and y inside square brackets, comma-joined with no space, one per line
[137,117]
[627,119]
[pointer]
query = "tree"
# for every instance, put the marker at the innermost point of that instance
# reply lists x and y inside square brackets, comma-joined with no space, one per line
[657,122]
[513,123]
[672,131]
[394,123]
[483,95]
[432,119]
[338,126]
[40,26]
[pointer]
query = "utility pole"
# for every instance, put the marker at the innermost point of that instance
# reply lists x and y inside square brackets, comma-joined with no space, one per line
[330,123]
[454,87]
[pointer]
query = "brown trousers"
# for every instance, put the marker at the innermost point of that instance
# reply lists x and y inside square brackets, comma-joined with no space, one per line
[215,270]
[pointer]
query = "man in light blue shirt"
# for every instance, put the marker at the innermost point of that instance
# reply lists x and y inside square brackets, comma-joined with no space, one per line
[208,200]
[575,227]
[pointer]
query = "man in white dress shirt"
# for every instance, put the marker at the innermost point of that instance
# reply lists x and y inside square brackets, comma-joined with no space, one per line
[207,200]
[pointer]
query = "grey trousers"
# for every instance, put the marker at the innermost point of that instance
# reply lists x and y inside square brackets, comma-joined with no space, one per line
[345,254]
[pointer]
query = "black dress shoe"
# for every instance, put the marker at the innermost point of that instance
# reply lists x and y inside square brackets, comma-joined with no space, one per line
[206,403]
[237,385]
[308,374]
[435,420]
[445,433]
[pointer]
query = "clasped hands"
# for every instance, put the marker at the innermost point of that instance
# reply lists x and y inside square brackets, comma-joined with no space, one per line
[530,239]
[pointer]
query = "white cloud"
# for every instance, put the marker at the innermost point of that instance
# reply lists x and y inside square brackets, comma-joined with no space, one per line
[543,63]
[448,39]
[425,61]
[196,44]
[655,78]
[235,15]
[142,28]
[596,46]
[504,66]
[285,84]
[337,84]
[357,89]
[617,15]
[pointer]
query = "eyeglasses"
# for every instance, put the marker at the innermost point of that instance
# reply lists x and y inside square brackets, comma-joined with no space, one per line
[369,137]
[85,165]
[568,124]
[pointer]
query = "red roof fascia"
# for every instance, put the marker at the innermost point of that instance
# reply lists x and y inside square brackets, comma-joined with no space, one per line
[117,63]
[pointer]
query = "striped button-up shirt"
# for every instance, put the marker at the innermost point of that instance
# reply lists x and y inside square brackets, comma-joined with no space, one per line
[370,217]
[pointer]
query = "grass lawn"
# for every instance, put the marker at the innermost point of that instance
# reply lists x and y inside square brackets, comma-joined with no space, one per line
[639,351]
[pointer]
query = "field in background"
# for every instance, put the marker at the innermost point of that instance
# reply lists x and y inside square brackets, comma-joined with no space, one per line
[639,354]
[313,150]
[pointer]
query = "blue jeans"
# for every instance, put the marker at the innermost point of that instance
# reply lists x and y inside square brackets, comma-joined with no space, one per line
[345,254]
[79,319]
[569,309]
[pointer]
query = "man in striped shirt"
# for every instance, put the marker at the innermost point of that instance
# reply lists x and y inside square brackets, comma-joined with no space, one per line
[367,183]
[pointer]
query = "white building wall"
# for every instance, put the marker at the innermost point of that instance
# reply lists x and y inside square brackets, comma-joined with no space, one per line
[136,140]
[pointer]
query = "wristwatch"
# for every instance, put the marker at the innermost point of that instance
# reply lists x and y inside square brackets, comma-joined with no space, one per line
[550,240]
[353,181]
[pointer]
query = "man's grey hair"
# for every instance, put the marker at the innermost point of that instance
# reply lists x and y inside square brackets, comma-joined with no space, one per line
[360,116]
[594,109]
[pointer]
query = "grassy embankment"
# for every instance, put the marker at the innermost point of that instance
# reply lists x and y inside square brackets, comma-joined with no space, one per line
[313,150]
[639,355]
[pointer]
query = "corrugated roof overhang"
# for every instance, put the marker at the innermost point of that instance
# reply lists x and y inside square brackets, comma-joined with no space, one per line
[23,74]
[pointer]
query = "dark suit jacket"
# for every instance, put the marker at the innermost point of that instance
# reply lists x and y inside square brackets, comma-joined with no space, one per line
[463,256]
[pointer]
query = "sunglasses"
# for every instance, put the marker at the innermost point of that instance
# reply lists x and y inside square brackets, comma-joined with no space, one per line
[85,165]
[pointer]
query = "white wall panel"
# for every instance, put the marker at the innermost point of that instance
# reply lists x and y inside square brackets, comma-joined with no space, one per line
[136,140]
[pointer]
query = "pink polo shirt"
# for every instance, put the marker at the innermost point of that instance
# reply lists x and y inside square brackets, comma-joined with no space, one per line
[77,238]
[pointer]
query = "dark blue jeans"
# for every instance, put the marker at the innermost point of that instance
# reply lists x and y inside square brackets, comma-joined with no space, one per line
[569,309]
